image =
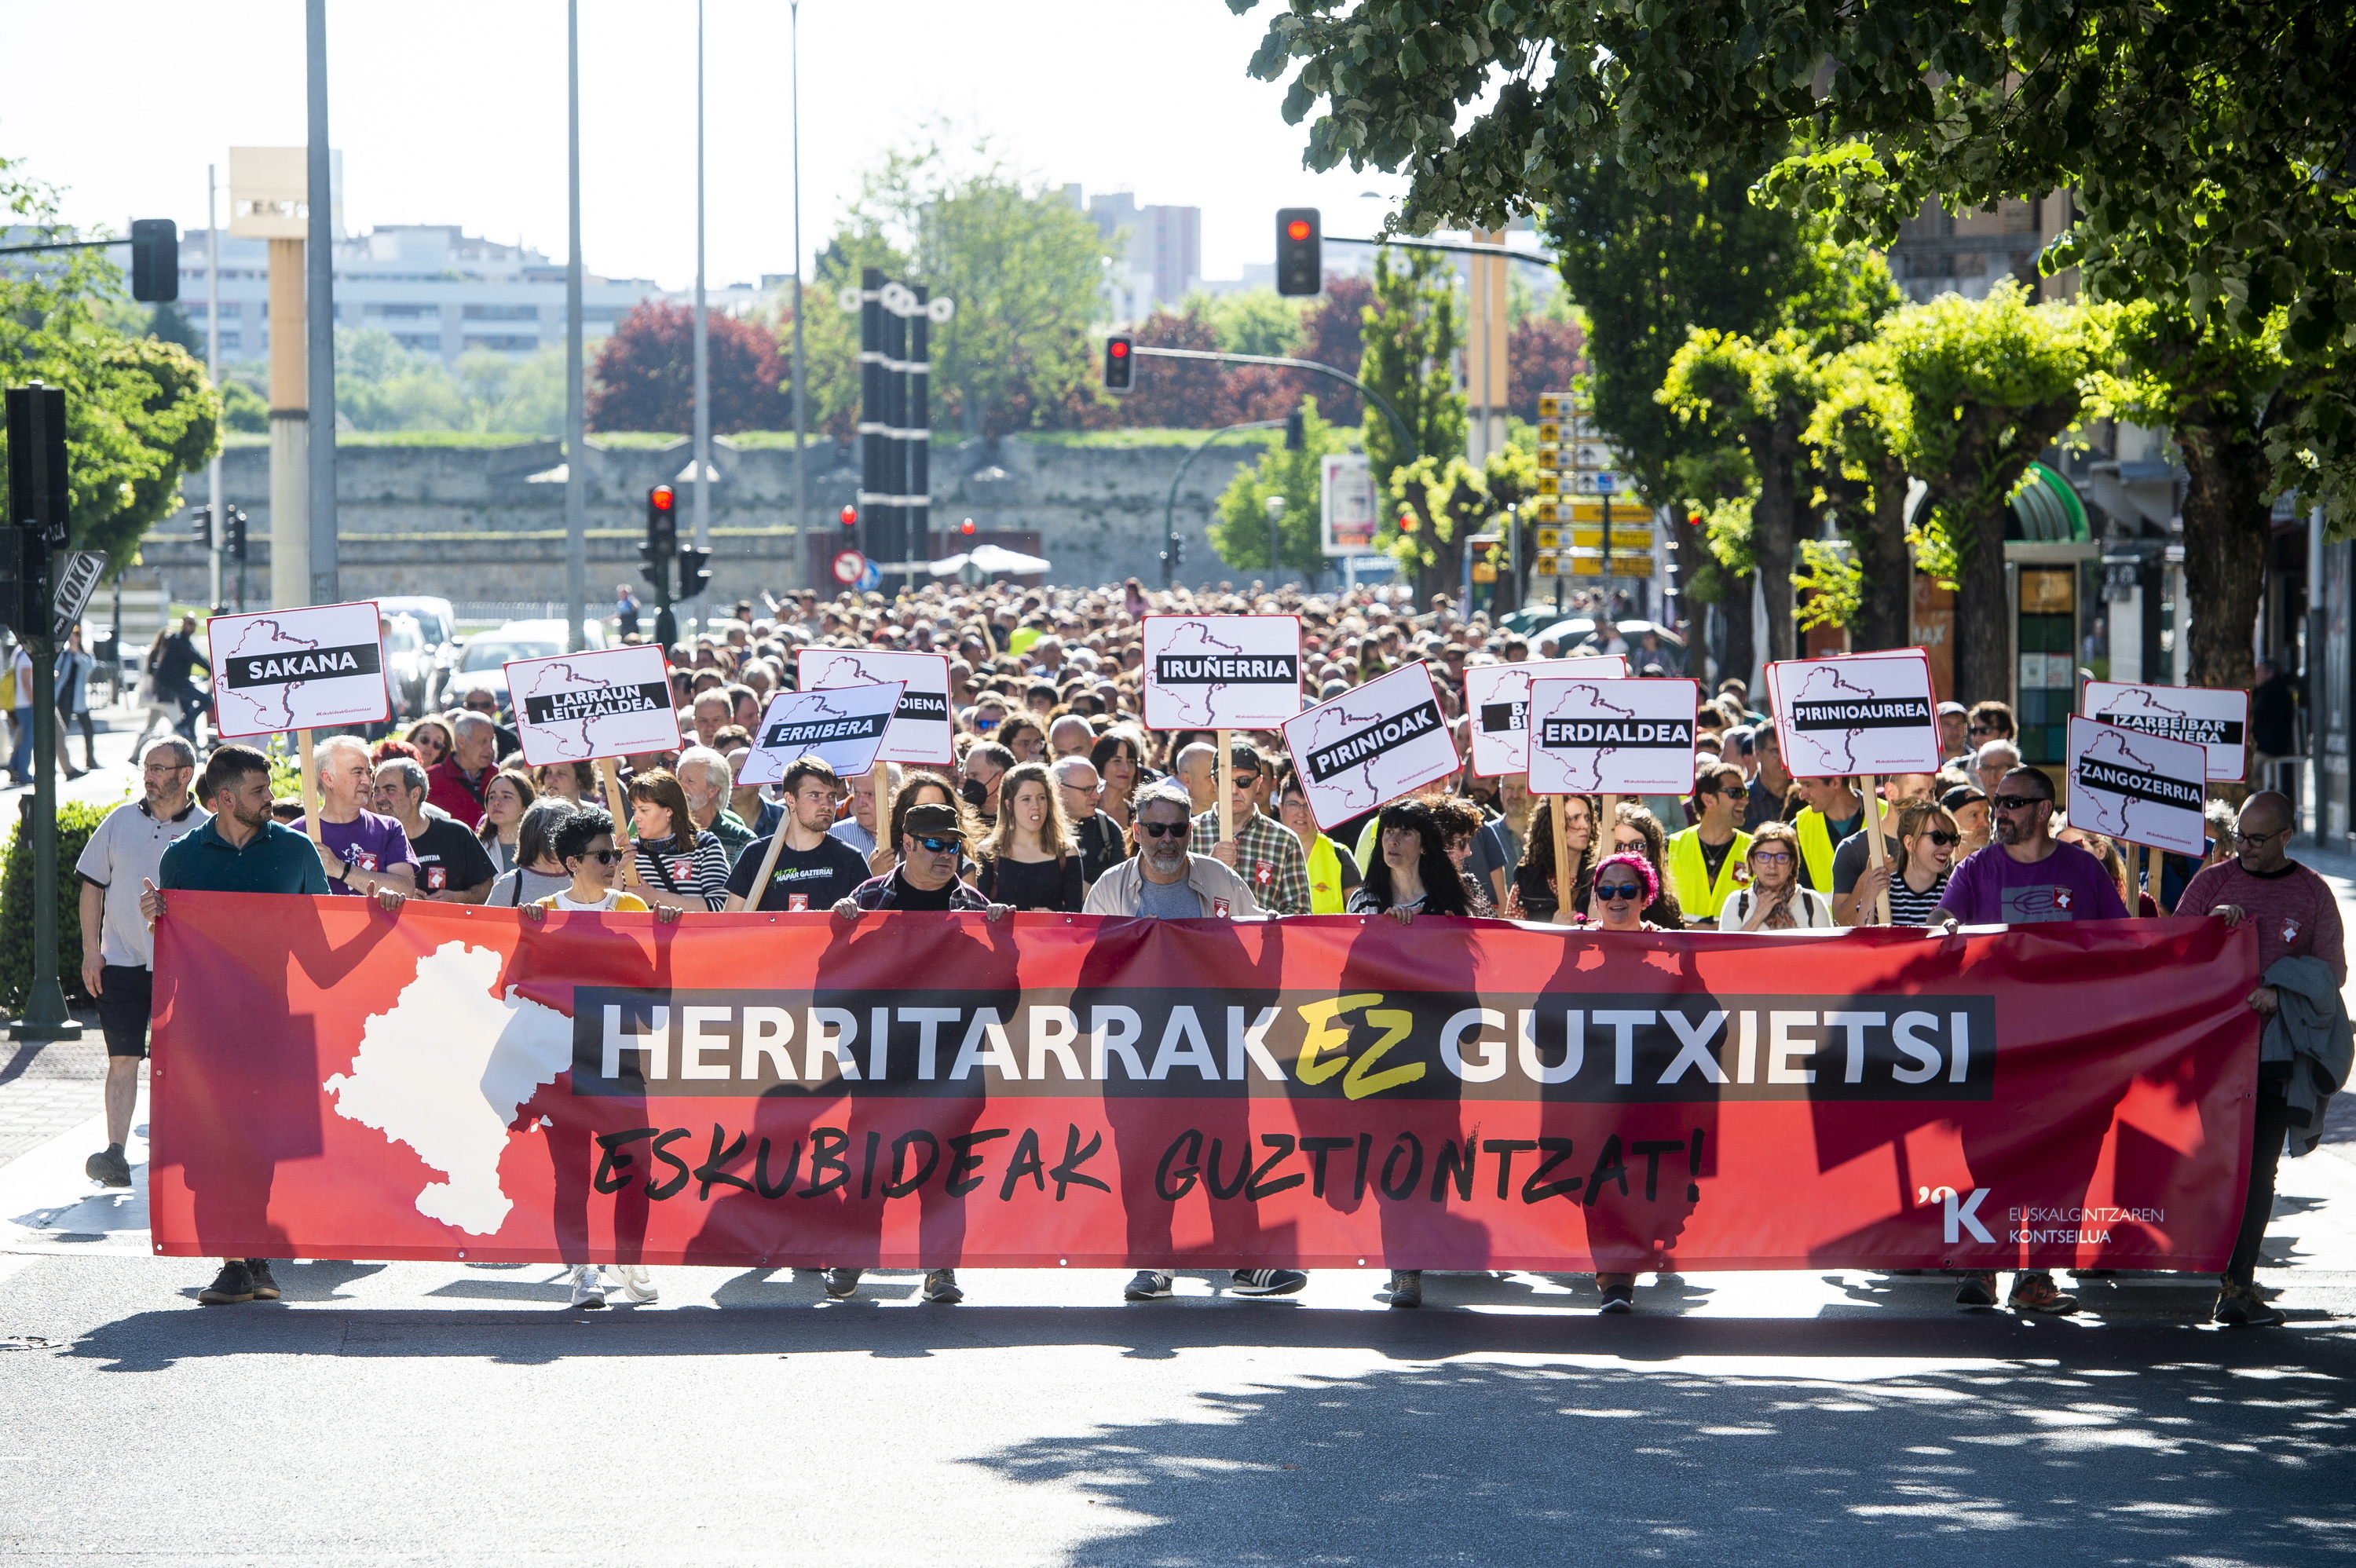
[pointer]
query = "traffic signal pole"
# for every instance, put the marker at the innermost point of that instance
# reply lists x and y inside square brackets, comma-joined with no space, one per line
[36,527]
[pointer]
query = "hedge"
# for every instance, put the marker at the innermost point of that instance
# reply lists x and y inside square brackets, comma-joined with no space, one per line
[76,822]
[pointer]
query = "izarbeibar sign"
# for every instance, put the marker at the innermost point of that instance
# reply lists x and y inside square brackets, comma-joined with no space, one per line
[1332,1092]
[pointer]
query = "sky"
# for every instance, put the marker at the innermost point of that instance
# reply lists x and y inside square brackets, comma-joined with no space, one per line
[454,113]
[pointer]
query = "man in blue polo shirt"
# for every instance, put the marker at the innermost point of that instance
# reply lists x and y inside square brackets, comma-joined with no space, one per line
[240,850]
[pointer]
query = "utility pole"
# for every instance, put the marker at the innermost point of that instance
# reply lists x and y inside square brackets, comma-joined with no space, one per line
[36,533]
[702,346]
[324,587]
[213,373]
[576,444]
[801,417]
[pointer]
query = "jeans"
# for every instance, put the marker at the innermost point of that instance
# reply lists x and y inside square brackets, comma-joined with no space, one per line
[20,750]
[2271,1126]
[66,721]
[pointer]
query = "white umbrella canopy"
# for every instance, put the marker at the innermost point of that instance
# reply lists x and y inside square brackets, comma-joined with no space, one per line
[991,558]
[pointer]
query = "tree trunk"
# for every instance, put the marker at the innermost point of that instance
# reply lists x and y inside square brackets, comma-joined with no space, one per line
[1740,649]
[1882,617]
[2228,527]
[1775,452]
[1982,612]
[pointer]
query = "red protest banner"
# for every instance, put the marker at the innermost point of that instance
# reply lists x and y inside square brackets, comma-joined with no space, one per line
[919,1089]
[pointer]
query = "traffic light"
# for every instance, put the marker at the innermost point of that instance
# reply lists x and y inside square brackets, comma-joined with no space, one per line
[694,572]
[662,539]
[1296,430]
[1406,522]
[233,539]
[966,528]
[1300,252]
[200,526]
[1121,362]
[850,517]
[154,260]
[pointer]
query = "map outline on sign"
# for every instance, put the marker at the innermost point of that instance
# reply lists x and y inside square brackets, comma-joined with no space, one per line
[2131,818]
[1158,635]
[1807,757]
[1485,685]
[2224,755]
[1350,718]
[303,701]
[849,756]
[543,740]
[1547,696]
[910,740]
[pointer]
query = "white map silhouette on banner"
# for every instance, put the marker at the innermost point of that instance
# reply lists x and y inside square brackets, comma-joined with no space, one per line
[1628,737]
[2215,720]
[1497,697]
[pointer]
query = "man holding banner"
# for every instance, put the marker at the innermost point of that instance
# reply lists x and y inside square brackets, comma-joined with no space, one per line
[811,869]
[365,853]
[2303,959]
[2026,876]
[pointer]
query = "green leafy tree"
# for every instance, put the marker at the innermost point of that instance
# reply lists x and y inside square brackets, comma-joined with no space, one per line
[1240,531]
[1988,385]
[139,411]
[1025,269]
[1859,438]
[1249,321]
[1413,330]
[1451,501]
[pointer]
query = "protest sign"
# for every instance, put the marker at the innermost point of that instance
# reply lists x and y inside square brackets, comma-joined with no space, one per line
[601,703]
[2145,789]
[1611,737]
[2217,721]
[297,669]
[1498,699]
[1221,672]
[1869,713]
[920,732]
[1334,1092]
[1371,745]
[841,726]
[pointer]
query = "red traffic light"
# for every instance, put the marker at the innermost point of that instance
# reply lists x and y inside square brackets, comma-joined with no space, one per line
[1406,522]
[851,517]
[1297,230]
[966,526]
[661,498]
[1117,348]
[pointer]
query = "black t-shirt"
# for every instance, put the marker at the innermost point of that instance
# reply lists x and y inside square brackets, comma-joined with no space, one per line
[1713,856]
[907,895]
[449,856]
[824,875]
[1033,884]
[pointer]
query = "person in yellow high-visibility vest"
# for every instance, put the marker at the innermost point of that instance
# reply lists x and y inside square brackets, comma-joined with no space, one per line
[1333,870]
[1835,810]
[1707,861]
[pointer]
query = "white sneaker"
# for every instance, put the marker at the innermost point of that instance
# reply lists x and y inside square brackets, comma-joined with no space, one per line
[637,1283]
[588,1287]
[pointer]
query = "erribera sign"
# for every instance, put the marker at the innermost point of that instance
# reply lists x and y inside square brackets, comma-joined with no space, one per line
[1327,1091]
[842,727]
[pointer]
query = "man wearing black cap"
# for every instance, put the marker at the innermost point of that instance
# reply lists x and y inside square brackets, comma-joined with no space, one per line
[925,878]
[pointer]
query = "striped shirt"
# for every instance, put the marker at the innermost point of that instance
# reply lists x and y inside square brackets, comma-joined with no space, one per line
[1268,858]
[700,871]
[1908,907]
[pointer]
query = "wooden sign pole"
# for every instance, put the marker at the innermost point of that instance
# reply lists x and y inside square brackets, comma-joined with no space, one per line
[1565,888]
[1876,855]
[310,786]
[1226,789]
[1599,845]
[2151,880]
[611,776]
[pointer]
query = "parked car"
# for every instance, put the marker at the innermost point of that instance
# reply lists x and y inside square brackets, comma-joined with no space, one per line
[408,663]
[437,622]
[1568,634]
[482,660]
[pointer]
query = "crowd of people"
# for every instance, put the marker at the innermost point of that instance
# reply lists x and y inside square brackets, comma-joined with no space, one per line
[1058,799]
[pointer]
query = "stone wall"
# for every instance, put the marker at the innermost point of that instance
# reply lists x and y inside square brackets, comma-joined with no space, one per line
[487,524]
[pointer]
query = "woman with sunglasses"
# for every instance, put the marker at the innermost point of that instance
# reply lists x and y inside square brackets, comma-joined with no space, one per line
[584,847]
[1775,900]
[430,740]
[1411,873]
[1638,832]
[1626,884]
[1927,838]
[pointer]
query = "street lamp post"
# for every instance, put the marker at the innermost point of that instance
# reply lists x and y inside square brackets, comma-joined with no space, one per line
[1275,550]
[576,421]
[801,417]
[702,345]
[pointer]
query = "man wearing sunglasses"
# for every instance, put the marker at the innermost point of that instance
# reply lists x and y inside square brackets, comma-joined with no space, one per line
[925,878]
[2303,1051]
[1263,852]
[1708,860]
[2027,875]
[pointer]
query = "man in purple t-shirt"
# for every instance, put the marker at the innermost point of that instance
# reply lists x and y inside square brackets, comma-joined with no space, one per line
[363,852]
[2024,877]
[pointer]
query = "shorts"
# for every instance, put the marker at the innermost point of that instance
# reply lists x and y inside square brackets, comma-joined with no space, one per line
[126,996]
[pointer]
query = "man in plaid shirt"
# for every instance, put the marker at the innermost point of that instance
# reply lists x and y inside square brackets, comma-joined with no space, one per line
[1265,854]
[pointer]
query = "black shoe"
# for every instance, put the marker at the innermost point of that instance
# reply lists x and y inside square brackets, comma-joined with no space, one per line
[108,1168]
[1406,1288]
[234,1283]
[1266,1281]
[1149,1285]
[1977,1289]
[941,1286]
[842,1282]
[1619,1293]
[265,1288]
[2239,1307]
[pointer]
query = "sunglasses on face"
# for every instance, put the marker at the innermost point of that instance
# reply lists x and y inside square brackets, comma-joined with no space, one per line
[1983,730]
[605,857]
[2018,802]
[937,845]
[1164,829]
[1942,838]
[1619,892]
